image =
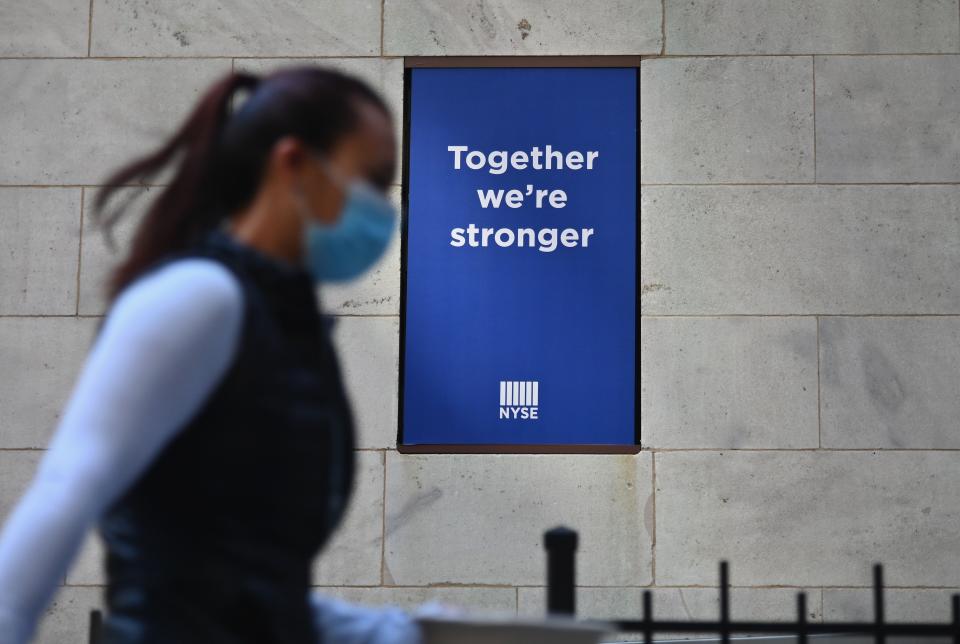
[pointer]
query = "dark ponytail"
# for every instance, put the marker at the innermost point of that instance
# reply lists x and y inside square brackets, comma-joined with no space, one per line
[221,156]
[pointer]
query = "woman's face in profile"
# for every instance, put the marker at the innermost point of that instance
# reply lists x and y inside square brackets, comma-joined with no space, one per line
[367,153]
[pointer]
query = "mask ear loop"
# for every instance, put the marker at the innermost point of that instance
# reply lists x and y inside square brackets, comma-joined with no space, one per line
[300,204]
[299,193]
[334,175]
[328,168]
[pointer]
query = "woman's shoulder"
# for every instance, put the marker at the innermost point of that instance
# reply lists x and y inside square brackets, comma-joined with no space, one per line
[193,287]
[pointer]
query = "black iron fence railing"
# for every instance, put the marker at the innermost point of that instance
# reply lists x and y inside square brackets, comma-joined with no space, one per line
[561,545]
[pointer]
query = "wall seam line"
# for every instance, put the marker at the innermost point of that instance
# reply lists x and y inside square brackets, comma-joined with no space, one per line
[819,422]
[76,309]
[89,28]
[100,315]
[751,184]
[704,585]
[663,27]
[227,56]
[383,521]
[813,78]
[762,184]
[665,450]
[101,185]
[708,316]
[681,450]
[653,538]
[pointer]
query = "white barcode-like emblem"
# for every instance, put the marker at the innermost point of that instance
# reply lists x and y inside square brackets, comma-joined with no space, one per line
[519,399]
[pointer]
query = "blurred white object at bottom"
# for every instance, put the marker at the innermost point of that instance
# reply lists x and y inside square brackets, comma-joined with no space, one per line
[478,630]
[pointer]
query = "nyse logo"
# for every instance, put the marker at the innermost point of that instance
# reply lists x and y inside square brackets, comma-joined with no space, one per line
[519,399]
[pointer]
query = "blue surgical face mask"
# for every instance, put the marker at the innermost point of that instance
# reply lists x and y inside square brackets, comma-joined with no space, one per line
[348,247]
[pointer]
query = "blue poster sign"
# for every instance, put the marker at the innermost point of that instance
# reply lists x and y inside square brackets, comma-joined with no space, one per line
[519,312]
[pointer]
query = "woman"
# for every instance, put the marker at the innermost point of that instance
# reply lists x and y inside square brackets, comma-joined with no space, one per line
[208,435]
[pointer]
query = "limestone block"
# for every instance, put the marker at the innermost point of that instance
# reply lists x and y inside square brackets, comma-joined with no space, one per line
[369,359]
[479,519]
[811,518]
[799,250]
[492,27]
[239,28]
[811,27]
[39,242]
[41,359]
[353,555]
[890,382]
[733,382]
[888,118]
[74,121]
[44,28]
[726,120]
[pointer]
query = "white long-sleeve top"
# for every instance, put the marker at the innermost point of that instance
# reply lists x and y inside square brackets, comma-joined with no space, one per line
[165,345]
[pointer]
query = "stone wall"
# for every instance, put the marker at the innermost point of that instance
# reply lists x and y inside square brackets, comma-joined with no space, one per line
[800,163]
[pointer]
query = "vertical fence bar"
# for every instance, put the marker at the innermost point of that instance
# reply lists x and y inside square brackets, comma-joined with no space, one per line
[561,546]
[802,618]
[724,602]
[647,617]
[878,616]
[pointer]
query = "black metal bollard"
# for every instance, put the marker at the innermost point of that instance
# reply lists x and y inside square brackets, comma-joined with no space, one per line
[96,625]
[955,611]
[878,608]
[802,618]
[561,546]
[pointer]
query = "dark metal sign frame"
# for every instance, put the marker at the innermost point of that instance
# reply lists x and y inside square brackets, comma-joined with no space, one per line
[411,62]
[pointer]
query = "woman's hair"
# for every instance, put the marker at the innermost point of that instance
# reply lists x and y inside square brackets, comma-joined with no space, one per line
[218,158]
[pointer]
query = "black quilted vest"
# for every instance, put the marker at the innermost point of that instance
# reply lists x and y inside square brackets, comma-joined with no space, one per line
[214,542]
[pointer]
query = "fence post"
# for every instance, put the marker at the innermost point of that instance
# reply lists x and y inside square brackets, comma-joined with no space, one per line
[561,546]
